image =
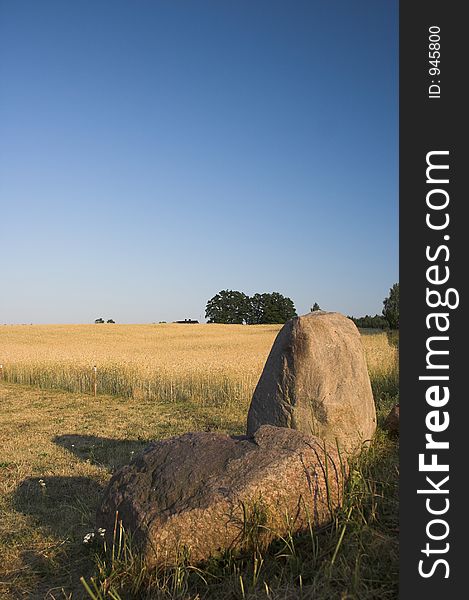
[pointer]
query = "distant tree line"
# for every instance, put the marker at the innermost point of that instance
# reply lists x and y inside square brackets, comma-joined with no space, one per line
[101,320]
[390,316]
[369,322]
[233,307]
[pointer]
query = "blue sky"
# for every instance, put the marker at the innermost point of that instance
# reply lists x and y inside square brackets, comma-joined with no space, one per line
[155,152]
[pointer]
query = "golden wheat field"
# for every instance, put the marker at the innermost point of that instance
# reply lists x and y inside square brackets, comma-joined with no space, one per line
[205,363]
[60,447]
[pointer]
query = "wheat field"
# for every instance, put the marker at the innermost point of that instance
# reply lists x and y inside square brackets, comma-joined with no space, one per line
[60,447]
[208,364]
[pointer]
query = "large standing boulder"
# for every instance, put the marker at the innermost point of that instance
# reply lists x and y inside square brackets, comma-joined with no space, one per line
[209,492]
[316,380]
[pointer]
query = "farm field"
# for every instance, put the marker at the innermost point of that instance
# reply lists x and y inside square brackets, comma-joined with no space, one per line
[204,363]
[60,445]
[209,364]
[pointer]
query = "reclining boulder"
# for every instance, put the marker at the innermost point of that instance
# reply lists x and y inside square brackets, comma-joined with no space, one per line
[205,493]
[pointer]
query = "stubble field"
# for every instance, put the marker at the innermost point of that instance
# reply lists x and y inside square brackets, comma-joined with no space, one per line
[60,445]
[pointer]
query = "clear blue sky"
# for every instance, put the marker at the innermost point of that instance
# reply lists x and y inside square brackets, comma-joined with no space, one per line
[155,152]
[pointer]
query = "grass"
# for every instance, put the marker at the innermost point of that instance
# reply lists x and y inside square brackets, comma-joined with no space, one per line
[60,447]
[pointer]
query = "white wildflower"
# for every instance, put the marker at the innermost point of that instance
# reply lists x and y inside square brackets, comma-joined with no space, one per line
[92,536]
[89,537]
[42,483]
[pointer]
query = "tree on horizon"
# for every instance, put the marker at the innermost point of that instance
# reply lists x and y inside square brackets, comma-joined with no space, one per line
[391,307]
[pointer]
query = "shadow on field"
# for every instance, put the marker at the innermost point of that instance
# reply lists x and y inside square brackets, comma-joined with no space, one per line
[63,510]
[63,505]
[105,452]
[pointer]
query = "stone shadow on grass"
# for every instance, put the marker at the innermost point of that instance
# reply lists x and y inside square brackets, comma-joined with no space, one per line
[65,506]
[105,452]
[63,510]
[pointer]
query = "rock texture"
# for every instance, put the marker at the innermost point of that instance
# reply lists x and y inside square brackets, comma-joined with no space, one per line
[209,492]
[316,380]
[392,420]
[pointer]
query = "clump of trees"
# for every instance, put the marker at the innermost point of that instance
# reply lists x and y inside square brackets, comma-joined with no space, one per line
[270,308]
[233,307]
[391,307]
[101,320]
